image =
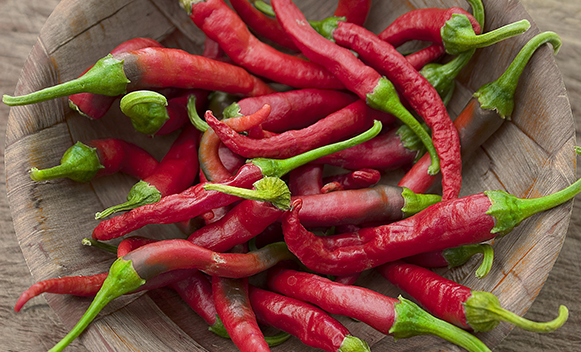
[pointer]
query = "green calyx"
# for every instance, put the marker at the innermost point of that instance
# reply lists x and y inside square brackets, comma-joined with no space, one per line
[484,313]
[219,101]
[327,26]
[106,77]
[140,194]
[187,5]
[411,141]
[100,245]
[232,110]
[146,109]
[458,34]
[509,211]
[195,118]
[460,255]
[499,95]
[353,344]
[280,167]
[122,279]
[267,189]
[416,202]
[385,98]
[79,163]
[411,320]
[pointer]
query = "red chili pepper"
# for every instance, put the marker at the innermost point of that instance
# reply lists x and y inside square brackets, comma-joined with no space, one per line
[313,326]
[220,23]
[354,11]
[96,106]
[397,317]
[422,24]
[176,172]
[458,304]
[478,218]
[380,204]
[367,83]
[363,178]
[97,158]
[346,122]
[425,56]
[295,109]
[196,200]
[421,95]
[196,291]
[306,180]
[484,113]
[234,309]
[152,68]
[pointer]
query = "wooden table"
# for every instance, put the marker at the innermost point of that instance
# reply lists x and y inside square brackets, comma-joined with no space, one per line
[37,328]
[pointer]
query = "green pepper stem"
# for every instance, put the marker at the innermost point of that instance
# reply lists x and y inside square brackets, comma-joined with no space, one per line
[415,202]
[122,279]
[353,344]
[106,77]
[458,34]
[483,313]
[79,163]
[459,255]
[410,140]
[264,8]
[218,328]
[411,320]
[478,11]
[146,109]
[140,194]
[267,189]
[277,339]
[280,167]
[195,118]
[509,211]
[499,95]
[385,98]
[100,245]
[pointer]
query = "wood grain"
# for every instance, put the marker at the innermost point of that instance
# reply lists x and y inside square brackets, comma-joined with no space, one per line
[36,330]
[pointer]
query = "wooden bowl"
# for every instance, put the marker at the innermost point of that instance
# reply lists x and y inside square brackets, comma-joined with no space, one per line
[530,156]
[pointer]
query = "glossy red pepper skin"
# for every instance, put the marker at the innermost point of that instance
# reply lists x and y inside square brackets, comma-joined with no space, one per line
[365,305]
[196,291]
[344,123]
[420,94]
[358,179]
[443,225]
[384,152]
[298,108]
[234,309]
[306,180]
[313,326]
[438,295]
[163,67]
[178,207]
[425,56]
[423,24]
[96,106]
[117,155]
[177,110]
[354,11]
[474,125]
[220,23]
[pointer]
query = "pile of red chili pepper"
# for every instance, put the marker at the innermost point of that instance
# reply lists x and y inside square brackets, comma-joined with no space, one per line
[287,181]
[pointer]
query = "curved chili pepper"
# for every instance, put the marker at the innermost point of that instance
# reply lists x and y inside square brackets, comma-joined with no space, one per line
[296,109]
[152,113]
[313,326]
[196,200]
[367,83]
[458,304]
[478,218]
[133,270]
[363,178]
[485,112]
[222,24]
[176,172]
[97,158]
[196,291]
[422,57]
[423,24]
[306,180]
[96,106]
[152,68]
[397,317]
[233,307]
[379,204]
[353,11]
[348,121]
[421,95]
[453,257]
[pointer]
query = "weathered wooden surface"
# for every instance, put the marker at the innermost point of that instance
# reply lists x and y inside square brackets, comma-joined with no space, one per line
[36,328]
